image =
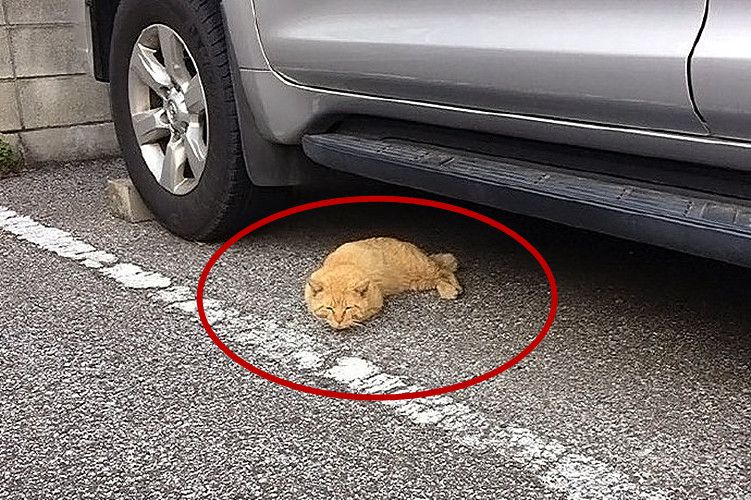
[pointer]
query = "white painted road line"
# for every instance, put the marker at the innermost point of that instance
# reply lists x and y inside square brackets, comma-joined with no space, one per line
[570,474]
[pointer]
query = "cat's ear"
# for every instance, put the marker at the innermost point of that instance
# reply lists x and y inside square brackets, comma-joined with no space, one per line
[316,286]
[362,287]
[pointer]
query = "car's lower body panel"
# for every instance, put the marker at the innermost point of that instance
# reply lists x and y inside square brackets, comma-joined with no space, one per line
[285,111]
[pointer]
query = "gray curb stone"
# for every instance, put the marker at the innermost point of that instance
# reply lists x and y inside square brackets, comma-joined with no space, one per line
[125,203]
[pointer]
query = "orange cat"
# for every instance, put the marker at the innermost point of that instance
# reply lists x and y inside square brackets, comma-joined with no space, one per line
[354,279]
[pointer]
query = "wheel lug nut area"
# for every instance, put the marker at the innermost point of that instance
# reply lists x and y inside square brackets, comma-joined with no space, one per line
[175,111]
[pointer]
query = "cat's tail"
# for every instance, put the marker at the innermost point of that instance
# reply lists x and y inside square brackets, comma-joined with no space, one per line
[447,261]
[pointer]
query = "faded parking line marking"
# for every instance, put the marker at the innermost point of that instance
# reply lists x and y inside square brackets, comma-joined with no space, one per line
[565,472]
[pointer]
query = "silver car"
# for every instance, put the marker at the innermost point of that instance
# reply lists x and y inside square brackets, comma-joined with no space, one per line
[629,118]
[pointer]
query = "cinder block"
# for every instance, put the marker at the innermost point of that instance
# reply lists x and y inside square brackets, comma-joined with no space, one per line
[43,11]
[125,203]
[9,117]
[48,50]
[6,66]
[80,142]
[63,100]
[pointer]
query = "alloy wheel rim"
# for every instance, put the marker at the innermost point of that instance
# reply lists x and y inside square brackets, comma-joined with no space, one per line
[168,109]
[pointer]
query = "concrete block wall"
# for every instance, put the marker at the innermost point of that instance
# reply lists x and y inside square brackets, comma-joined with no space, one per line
[49,105]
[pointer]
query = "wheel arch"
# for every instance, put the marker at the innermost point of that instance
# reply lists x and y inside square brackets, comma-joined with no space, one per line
[267,163]
[101,22]
[239,15]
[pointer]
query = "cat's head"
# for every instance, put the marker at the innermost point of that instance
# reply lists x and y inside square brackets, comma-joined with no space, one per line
[342,297]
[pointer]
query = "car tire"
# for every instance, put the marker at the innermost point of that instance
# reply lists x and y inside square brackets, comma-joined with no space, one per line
[202,190]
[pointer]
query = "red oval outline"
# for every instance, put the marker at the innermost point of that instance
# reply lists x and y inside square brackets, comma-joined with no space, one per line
[380,396]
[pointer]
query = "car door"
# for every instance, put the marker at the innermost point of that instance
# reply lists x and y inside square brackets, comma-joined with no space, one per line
[614,62]
[721,69]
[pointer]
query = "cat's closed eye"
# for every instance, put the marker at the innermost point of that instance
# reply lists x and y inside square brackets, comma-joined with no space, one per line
[323,312]
[315,286]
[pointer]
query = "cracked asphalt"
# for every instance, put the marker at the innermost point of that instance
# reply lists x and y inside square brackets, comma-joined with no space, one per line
[105,394]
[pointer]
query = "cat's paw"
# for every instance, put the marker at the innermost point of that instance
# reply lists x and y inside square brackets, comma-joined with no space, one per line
[448,290]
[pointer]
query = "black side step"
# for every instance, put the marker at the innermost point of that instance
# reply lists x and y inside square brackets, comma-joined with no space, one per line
[680,219]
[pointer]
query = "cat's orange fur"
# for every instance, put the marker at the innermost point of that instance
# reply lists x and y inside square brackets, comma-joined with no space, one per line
[354,279]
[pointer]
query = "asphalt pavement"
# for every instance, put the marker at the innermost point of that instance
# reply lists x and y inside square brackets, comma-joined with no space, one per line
[111,388]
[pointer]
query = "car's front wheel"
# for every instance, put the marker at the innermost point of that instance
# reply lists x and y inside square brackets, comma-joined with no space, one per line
[174,111]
